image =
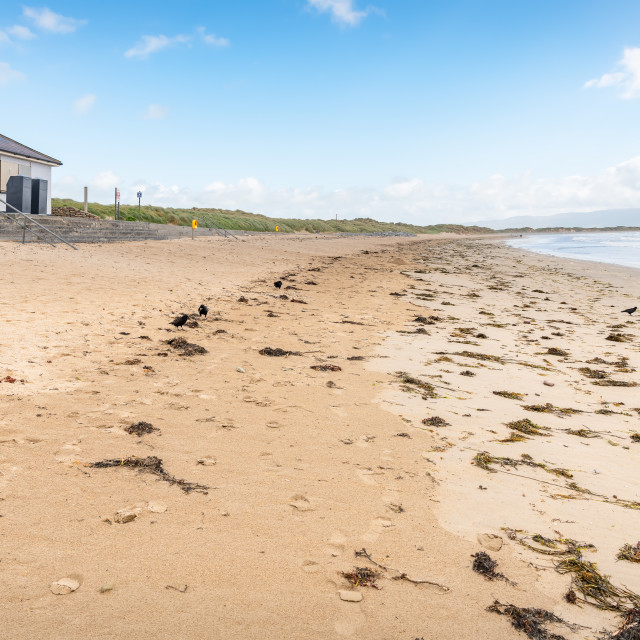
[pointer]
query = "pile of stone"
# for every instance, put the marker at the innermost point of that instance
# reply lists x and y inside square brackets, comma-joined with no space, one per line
[72,212]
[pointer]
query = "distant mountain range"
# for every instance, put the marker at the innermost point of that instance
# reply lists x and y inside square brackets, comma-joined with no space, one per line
[608,218]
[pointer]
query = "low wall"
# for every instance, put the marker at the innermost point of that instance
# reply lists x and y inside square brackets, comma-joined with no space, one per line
[78,230]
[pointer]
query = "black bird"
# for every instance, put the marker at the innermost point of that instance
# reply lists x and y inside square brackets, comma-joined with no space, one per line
[203,310]
[180,320]
[277,284]
[630,311]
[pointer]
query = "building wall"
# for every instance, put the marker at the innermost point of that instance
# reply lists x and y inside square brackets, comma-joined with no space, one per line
[43,172]
[33,169]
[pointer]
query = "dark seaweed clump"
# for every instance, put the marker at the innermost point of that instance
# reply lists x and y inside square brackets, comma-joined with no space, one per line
[530,621]
[484,564]
[630,553]
[554,351]
[436,421]
[140,428]
[527,427]
[277,352]
[186,348]
[153,465]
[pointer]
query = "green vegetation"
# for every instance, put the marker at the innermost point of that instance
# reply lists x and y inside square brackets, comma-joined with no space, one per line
[241,220]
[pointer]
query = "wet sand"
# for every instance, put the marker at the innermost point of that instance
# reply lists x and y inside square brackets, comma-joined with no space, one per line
[302,467]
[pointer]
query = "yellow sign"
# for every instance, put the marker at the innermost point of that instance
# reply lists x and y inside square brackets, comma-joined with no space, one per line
[194,224]
[276,228]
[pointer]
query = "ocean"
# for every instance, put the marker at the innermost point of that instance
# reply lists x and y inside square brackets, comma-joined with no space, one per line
[621,248]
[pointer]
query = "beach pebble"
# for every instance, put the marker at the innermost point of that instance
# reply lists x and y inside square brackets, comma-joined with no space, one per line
[157,507]
[350,596]
[106,588]
[546,383]
[490,541]
[123,516]
[64,586]
[207,461]
[240,370]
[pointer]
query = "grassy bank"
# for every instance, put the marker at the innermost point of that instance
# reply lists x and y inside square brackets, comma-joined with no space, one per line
[255,222]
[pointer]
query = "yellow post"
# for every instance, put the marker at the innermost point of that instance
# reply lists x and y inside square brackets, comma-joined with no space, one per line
[276,228]
[194,226]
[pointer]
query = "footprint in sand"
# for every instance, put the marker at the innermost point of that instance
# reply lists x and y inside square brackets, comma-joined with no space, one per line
[366,475]
[336,545]
[378,525]
[300,502]
[350,620]
[310,566]
[274,424]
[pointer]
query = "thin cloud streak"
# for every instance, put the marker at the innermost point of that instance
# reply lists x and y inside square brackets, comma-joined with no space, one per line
[47,20]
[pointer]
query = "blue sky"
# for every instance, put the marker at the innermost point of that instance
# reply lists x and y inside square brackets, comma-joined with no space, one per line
[423,111]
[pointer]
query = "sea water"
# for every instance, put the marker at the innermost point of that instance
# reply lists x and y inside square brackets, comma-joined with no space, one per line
[621,248]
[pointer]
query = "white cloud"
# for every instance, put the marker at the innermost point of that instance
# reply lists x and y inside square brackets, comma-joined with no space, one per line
[152,44]
[9,75]
[342,11]
[627,80]
[47,20]
[212,40]
[156,112]
[410,200]
[84,104]
[4,38]
[20,32]
[105,181]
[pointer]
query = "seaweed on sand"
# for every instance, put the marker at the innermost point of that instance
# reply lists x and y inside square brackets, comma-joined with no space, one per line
[614,383]
[484,460]
[153,465]
[596,588]
[554,351]
[514,437]
[435,421]
[411,384]
[479,356]
[484,564]
[512,395]
[277,352]
[531,621]
[619,337]
[549,408]
[596,374]
[582,433]
[630,628]
[557,546]
[186,348]
[528,427]
[630,553]
[140,428]
[362,577]
[635,437]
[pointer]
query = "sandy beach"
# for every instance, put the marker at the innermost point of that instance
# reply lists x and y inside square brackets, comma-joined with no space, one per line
[379,442]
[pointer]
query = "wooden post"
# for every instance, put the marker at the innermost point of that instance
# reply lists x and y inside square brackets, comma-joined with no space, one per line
[86,199]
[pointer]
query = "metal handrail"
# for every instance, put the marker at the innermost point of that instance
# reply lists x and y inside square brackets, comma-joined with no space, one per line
[55,235]
[208,220]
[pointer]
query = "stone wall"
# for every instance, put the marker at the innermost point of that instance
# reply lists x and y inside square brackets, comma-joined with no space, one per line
[72,212]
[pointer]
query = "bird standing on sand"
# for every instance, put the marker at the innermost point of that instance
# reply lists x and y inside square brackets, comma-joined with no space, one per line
[277,284]
[180,320]
[203,310]
[630,311]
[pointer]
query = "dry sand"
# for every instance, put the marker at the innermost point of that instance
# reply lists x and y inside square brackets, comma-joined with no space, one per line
[303,467]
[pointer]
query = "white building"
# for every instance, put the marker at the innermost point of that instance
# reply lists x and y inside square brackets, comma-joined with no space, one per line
[18,160]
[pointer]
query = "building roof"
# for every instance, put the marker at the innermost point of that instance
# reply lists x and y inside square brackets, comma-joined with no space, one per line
[15,148]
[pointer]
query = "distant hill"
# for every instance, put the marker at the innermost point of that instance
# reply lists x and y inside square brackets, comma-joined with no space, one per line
[241,220]
[591,219]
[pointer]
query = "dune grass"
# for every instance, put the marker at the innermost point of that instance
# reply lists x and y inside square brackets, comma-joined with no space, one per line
[241,220]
